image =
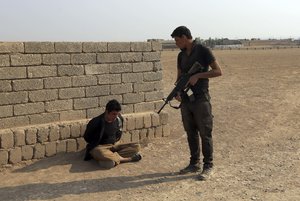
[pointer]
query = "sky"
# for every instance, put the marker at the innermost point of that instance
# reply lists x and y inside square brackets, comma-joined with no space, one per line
[139,20]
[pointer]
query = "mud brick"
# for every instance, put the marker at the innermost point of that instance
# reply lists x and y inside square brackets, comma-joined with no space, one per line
[152,76]
[44,118]
[143,134]
[87,58]
[39,47]
[58,105]
[71,145]
[41,71]
[155,119]
[61,146]
[94,47]
[118,47]
[83,127]
[153,96]
[147,120]
[140,46]
[96,69]
[11,47]
[5,86]
[70,70]
[39,151]
[84,103]
[151,56]
[54,59]
[6,111]
[131,57]
[27,152]
[75,130]
[72,115]
[135,135]
[19,136]
[97,91]
[65,131]
[143,107]
[163,117]
[15,155]
[43,134]
[139,121]
[50,149]
[121,89]
[57,82]
[89,80]
[81,144]
[120,68]
[53,133]
[156,46]
[126,137]
[109,78]
[6,139]
[142,67]
[133,98]
[13,98]
[151,133]
[130,122]
[3,157]
[30,136]
[12,73]
[68,47]
[29,108]
[158,131]
[26,59]
[4,60]
[43,95]
[132,77]
[109,58]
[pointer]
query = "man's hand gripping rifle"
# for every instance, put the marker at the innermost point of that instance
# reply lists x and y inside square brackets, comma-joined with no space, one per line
[182,84]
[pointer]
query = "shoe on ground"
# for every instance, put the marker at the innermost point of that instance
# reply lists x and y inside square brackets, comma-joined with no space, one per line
[136,157]
[191,168]
[206,172]
[107,164]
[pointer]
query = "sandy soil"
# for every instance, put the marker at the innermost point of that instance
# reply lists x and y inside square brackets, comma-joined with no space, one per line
[256,139]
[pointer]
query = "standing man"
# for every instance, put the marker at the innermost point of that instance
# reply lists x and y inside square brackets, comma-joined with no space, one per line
[102,135]
[195,103]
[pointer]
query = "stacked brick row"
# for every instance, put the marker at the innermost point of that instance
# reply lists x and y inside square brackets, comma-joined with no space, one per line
[43,82]
[40,141]
[46,84]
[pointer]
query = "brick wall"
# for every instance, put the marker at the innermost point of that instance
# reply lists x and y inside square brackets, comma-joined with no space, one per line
[49,91]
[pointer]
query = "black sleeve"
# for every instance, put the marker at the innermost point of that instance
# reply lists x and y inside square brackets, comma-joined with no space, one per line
[93,130]
[208,56]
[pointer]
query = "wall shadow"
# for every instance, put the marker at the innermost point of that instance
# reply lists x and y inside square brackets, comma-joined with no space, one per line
[45,191]
[75,159]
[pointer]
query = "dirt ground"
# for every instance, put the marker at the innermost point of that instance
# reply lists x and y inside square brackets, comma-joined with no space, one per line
[256,105]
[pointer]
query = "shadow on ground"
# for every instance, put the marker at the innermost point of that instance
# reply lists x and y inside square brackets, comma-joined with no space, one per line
[36,191]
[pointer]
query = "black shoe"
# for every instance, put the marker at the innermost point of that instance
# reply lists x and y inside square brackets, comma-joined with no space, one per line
[190,168]
[206,172]
[136,157]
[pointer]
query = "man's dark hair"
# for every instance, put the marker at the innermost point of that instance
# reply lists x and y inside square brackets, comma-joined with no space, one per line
[113,105]
[180,31]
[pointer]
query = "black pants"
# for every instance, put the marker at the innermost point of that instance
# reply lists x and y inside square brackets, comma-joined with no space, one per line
[197,119]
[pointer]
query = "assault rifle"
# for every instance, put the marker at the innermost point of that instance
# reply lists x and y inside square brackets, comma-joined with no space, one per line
[181,84]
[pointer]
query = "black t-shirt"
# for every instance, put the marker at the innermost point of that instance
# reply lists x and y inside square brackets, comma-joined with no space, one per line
[110,132]
[200,54]
[98,131]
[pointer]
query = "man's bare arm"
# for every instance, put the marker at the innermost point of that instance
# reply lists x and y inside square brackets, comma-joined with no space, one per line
[214,72]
